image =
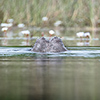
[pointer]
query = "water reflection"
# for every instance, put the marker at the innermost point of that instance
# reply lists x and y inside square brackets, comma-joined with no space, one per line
[5,30]
[50,79]
[83,43]
[4,41]
[84,38]
[48,61]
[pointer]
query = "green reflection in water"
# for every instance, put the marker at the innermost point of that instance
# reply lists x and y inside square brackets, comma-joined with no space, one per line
[59,79]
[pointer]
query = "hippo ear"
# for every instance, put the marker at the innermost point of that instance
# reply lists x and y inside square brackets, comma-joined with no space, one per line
[53,38]
[56,40]
[43,38]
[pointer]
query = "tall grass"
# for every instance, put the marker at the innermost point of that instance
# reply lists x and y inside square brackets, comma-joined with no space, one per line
[73,13]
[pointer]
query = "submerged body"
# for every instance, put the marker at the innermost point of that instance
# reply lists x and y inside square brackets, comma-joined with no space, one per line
[54,45]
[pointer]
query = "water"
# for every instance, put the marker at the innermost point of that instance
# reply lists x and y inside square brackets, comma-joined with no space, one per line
[71,75]
[51,79]
[85,52]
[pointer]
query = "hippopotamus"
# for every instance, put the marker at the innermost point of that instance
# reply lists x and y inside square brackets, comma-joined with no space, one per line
[54,45]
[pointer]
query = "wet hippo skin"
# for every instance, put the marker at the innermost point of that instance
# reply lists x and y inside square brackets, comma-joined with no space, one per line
[53,45]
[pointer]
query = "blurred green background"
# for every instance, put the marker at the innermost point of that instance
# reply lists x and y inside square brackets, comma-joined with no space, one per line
[73,13]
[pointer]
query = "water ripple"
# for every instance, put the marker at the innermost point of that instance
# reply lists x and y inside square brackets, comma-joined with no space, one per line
[26,51]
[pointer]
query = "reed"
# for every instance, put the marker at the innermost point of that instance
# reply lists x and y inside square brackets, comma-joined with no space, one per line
[73,13]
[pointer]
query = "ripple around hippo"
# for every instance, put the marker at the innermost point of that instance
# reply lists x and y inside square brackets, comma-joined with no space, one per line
[54,45]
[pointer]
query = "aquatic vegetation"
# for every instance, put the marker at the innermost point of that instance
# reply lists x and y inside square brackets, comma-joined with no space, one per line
[85,38]
[4,29]
[21,25]
[57,23]
[6,25]
[51,32]
[45,18]
[77,13]
[83,35]
[26,34]
[10,20]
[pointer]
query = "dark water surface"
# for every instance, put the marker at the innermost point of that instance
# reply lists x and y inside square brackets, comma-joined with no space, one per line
[73,75]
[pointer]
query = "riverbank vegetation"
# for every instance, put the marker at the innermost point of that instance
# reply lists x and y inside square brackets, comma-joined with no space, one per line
[72,13]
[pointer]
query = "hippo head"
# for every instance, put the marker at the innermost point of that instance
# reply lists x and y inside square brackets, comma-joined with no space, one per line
[41,45]
[53,45]
[57,45]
